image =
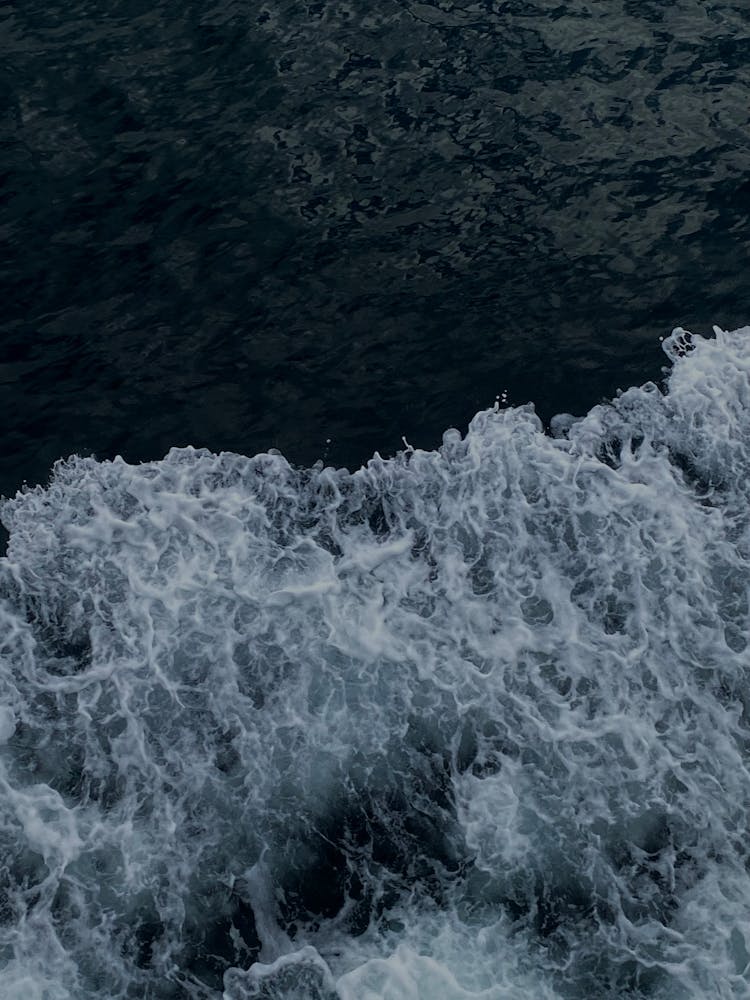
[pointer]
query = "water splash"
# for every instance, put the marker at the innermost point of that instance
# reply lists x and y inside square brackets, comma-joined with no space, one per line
[464,723]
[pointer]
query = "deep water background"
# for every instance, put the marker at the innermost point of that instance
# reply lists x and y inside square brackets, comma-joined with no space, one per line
[321,226]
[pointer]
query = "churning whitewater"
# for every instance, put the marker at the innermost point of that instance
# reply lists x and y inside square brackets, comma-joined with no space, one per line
[471,723]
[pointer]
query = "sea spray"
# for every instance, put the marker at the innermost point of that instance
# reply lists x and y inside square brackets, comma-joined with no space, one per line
[464,723]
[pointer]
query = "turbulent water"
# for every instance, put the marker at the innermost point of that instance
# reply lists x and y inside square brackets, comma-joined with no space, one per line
[467,723]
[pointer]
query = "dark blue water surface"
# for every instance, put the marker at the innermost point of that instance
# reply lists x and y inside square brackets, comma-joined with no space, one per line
[251,225]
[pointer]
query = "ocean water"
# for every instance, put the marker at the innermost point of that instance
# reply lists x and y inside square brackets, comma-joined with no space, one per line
[471,722]
[367,716]
[318,227]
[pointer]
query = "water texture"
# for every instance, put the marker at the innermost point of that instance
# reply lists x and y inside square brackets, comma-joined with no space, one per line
[467,723]
[471,721]
[242,225]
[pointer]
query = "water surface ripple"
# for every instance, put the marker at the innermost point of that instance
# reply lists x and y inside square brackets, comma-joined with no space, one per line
[243,226]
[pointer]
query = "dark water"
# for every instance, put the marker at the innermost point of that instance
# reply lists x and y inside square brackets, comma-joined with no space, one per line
[246,226]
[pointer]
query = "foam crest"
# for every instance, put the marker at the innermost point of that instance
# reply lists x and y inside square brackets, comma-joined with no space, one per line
[464,723]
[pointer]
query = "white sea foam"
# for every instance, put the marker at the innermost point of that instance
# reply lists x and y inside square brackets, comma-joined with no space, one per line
[471,723]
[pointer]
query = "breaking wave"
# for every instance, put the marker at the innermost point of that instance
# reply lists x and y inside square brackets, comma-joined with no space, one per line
[470,723]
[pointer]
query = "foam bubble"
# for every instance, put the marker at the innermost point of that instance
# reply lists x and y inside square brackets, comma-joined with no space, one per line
[7,723]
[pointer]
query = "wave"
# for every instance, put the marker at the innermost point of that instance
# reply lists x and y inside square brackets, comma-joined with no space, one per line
[470,722]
